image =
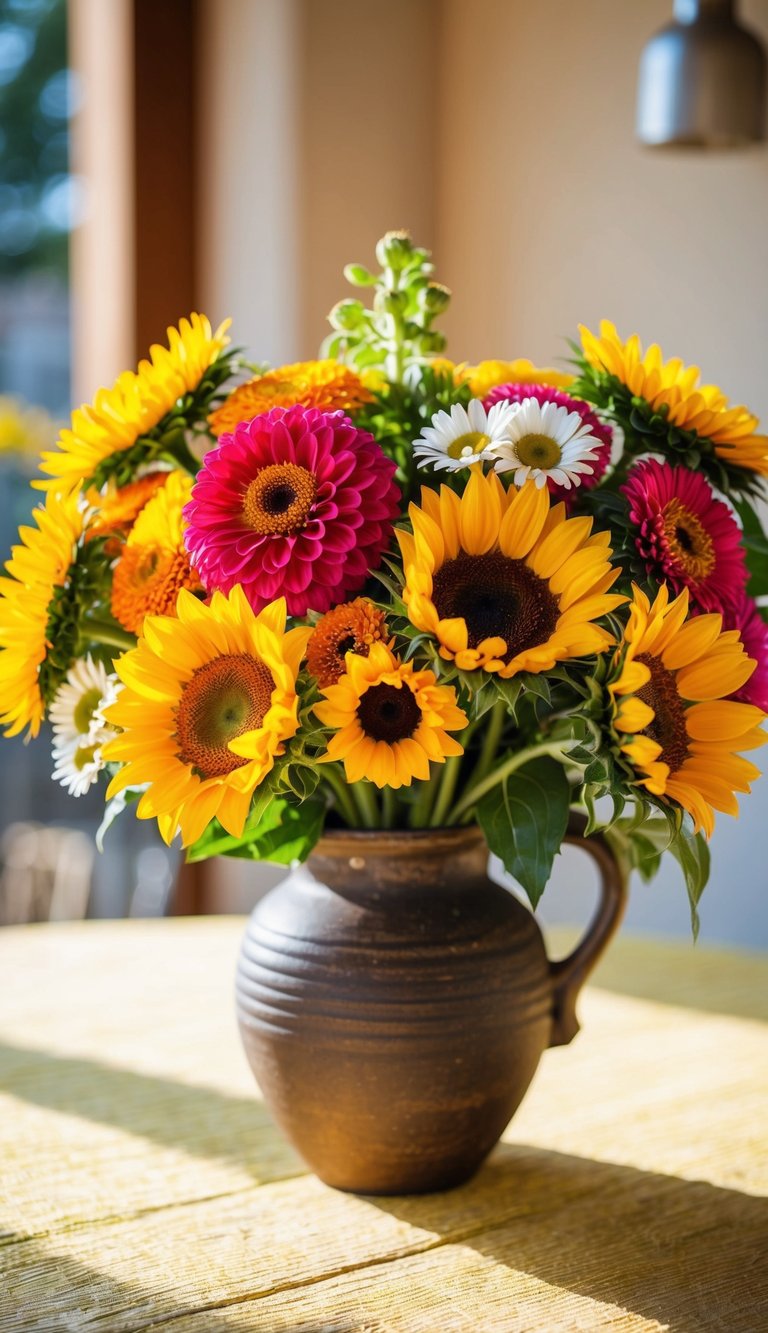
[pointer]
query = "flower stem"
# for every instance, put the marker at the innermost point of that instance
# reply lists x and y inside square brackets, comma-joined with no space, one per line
[341,791]
[510,766]
[389,808]
[448,780]
[491,740]
[111,635]
[363,795]
[420,810]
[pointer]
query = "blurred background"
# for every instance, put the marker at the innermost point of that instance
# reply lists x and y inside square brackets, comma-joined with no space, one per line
[159,156]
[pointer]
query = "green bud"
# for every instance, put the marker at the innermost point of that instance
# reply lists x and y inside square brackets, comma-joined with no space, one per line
[346,314]
[435,297]
[394,249]
[394,303]
[359,275]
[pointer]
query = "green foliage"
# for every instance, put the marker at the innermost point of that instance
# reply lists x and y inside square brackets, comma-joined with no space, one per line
[691,851]
[83,590]
[524,819]
[756,546]
[282,829]
[396,331]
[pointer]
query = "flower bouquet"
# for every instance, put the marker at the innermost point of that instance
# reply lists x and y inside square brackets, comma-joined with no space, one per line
[385,591]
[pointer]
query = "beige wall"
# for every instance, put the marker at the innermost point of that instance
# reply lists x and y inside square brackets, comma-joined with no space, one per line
[550,213]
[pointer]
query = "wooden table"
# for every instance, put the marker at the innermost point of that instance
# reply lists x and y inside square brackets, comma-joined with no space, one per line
[143,1185]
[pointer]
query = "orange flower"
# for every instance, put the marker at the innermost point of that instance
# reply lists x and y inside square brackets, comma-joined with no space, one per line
[350,628]
[155,565]
[120,507]
[326,385]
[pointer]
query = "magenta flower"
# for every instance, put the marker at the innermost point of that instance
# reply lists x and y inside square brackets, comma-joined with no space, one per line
[686,537]
[295,503]
[516,393]
[746,618]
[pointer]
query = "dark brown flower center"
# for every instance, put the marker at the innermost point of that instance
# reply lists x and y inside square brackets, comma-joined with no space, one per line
[224,699]
[497,597]
[279,499]
[688,540]
[389,714]
[668,728]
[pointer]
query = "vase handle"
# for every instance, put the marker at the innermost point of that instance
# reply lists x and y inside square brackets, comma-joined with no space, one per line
[569,974]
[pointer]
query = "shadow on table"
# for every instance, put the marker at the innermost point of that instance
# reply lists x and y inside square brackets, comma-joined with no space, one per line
[201,1121]
[686,1253]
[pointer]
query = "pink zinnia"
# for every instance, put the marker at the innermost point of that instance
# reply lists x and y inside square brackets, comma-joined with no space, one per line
[517,393]
[295,503]
[686,537]
[746,618]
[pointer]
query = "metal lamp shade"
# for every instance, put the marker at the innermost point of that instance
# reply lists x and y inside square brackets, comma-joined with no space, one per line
[702,81]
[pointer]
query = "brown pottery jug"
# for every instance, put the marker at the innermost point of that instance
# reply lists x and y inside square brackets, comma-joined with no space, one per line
[394,1003]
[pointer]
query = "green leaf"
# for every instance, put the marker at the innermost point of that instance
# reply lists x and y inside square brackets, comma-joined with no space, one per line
[691,851]
[524,820]
[756,549]
[284,832]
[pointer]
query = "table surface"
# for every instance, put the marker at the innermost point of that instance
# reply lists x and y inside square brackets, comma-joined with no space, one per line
[144,1186]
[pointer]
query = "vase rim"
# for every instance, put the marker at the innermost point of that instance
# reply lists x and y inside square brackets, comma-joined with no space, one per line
[395,842]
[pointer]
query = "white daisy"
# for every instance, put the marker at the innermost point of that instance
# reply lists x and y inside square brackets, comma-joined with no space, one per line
[547,441]
[465,435]
[75,711]
[77,765]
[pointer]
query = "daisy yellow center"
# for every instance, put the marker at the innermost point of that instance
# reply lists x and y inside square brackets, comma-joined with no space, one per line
[84,755]
[688,540]
[497,597]
[279,499]
[471,442]
[668,727]
[224,699]
[85,708]
[388,714]
[541,451]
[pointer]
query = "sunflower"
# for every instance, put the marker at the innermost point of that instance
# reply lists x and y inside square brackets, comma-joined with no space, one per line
[504,582]
[209,701]
[135,404]
[327,385]
[488,374]
[391,719]
[685,536]
[350,628]
[672,390]
[29,605]
[116,511]
[155,564]
[670,715]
